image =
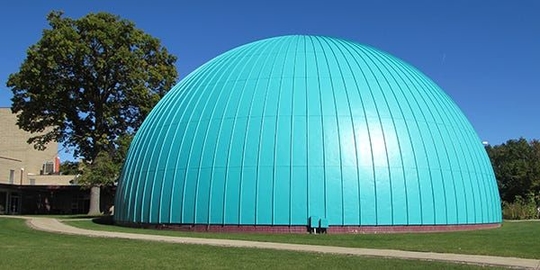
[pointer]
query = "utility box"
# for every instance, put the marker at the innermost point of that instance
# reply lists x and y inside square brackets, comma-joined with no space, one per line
[314,221]
[323,223]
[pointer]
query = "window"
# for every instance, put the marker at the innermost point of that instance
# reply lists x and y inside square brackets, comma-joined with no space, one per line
[11,176]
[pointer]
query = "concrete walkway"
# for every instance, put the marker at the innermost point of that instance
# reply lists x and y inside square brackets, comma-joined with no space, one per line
[55,226]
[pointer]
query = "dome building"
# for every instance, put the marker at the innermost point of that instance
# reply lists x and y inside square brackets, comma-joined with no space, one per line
[299,133]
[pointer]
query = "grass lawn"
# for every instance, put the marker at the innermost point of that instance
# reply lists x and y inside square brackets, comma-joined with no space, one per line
[513,239]
[24,248]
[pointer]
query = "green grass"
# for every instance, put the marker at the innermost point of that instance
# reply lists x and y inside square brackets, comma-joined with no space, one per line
[513,239]
[24,248]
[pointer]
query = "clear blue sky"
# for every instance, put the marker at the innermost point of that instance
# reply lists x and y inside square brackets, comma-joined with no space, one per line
[484,54]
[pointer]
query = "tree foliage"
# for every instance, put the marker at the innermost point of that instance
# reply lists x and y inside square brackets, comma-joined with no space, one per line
[517,168]
[70,168]
[89,83]
[103,170]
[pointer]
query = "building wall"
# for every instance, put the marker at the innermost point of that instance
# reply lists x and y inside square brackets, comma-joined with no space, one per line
[17,157]
[59,180]
[24,190]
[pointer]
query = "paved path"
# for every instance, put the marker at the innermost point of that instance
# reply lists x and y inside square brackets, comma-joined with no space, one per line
[55,226]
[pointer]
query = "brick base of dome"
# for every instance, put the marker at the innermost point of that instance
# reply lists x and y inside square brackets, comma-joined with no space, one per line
[305,229]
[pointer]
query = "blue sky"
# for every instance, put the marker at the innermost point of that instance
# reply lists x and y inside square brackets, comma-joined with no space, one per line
[484,54]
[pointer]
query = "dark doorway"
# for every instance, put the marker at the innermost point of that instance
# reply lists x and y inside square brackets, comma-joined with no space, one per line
[14,204]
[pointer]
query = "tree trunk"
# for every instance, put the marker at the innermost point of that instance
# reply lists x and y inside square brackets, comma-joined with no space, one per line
[94,201]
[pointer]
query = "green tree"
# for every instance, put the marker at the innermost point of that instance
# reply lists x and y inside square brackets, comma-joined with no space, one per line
[70,168]
[535,164]
[517,168]
[104,169]
[89,83]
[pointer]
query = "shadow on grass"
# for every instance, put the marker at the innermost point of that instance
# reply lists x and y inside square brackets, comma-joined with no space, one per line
[103,220]
[81,217]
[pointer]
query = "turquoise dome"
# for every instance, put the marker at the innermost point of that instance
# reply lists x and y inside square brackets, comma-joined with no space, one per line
[287,128]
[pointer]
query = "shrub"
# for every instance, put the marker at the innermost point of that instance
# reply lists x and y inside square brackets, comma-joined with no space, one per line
[521,208]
